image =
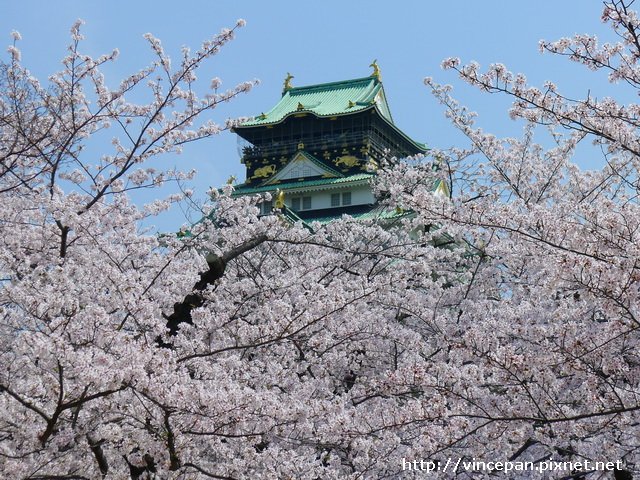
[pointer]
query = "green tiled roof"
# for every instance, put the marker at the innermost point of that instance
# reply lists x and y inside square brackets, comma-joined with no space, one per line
[331,100]
[377,214]
[326,100]
[242,190]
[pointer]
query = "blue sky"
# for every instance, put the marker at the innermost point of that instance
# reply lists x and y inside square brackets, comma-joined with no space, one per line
[321,42]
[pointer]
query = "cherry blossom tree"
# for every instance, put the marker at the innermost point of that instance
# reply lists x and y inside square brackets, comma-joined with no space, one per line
[552,327]
[499,323]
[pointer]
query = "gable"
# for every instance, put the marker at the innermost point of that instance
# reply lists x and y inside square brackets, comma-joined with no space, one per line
[303,165]
[382,105]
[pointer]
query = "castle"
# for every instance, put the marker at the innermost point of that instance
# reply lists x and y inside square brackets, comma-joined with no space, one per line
[317,149]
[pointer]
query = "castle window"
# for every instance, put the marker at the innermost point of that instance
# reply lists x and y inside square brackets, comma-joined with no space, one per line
[338,199]
[301,203]
[306,203]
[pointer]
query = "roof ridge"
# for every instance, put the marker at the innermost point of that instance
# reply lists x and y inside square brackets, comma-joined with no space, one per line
[319,86]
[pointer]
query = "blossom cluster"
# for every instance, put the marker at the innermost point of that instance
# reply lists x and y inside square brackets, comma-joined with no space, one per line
[495,314]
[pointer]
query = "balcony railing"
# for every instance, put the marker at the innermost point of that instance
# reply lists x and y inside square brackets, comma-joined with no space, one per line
[377,145]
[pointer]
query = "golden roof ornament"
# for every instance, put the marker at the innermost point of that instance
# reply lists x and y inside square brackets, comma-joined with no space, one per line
[279,200]
[376,70]
[231,180]
[287,83]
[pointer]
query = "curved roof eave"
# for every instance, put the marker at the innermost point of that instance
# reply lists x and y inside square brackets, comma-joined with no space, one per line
[420,146]
[363,108]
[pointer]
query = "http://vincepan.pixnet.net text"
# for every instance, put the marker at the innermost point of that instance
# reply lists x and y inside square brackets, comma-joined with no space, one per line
[459,465]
